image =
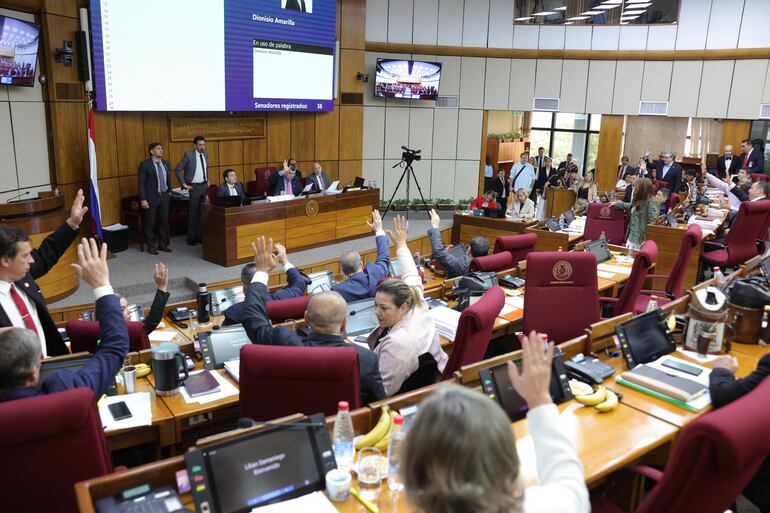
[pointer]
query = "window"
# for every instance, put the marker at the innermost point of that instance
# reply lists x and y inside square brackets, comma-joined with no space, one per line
[595,12]
[561,133]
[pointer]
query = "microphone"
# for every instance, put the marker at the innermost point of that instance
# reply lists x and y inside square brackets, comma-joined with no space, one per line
[229,297]
[16,198]
[355,312]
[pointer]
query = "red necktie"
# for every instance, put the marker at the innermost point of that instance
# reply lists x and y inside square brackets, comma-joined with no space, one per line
[746,160]
[288,187]
[25,315]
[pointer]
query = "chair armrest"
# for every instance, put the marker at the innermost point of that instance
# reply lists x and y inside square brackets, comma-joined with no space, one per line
[654,292]
[649,472]
[609,299]
[717,244]
[656,276]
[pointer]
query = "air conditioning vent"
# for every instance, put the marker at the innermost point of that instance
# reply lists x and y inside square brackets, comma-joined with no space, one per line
[653,108]
[764,111]
[547,104]
[447,102]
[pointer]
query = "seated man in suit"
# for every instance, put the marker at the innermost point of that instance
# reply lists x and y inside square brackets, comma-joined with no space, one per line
[289,183]
[454,266]
[326,317]
[21,302]
[663,196]
[361,282]
[318,178]
[158,303]
[295,287]
[667,170]
[630,187]
[287,164]
[728,164]
[20,348]
[231,186]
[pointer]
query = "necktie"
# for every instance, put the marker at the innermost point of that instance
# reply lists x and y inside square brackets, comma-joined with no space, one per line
[301,5]
[203,166]
[288,187]
[25,315]
[746,160]
[321,182]
[161,178]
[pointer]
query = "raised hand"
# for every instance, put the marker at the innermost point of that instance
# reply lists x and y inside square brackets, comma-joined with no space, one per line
[160,276]
[92,263]
[376,224]
[264,258]
[400,231]
[533,381]
[281,255]
[435,220]
[77,211]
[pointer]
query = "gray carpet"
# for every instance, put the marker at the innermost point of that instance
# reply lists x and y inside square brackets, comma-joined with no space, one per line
[131,270]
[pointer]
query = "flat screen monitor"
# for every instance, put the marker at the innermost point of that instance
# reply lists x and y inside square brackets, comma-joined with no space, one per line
[361,317]
[217,55]
[320,281]
[645,338]
[410,80]
[222,345]
[18,51]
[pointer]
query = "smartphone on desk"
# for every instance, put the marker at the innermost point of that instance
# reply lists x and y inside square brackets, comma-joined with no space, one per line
[119,411]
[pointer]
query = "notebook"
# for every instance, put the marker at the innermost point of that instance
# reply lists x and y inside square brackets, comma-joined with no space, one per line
[233,368]
[676,387]
[201,383]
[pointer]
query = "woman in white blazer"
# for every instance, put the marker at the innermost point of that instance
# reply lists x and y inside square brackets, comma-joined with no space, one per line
[522,207]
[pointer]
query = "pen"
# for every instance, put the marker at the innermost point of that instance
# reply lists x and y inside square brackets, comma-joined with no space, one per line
[368,505]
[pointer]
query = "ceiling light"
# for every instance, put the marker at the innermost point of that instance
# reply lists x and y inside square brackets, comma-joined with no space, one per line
[544,13]
[592,13]
[637,1]
[606,7]
[627,18]
[570,23]
[612,2]
[635,11]
[523,19]
[639,6]
[578,18]
[560,8]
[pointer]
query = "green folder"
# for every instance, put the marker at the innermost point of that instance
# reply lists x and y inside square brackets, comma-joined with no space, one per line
[653,393]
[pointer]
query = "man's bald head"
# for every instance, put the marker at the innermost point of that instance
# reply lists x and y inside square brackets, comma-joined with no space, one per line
[326,313]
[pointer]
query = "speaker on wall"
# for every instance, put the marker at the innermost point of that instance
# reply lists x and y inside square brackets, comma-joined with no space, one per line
[84,71]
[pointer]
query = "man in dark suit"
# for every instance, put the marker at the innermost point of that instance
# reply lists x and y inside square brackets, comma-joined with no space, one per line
[274,178]
[751,158]
[728,164]
[20,348]
[318,178]
[631,180]
[624,167]
[289,183]
[502,187]
[361,282]
[540,158]
[326,317]
[193,173]
[21,303]
[297,5]
[566,164]
[149,323]
[231,186]
[295,287]
[668,171]
[155,195]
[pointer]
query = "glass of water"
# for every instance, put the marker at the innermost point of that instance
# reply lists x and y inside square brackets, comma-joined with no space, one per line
[192,323]
[369,475]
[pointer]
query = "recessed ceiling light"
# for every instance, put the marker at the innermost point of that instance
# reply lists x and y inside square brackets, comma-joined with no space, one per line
[637,1]
[564,8]
[626,18]
[570,23]
[606,7]
[639,6]
[523,19]
[612,2]
[578,18]
[624,23]
[592,13]
[635,11]
[544,13]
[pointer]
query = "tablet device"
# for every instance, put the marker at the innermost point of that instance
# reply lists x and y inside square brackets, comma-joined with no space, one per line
[645,338]
[224,344]
[600,249]
[671,219]
[569,216]
[395,268]
[552,224]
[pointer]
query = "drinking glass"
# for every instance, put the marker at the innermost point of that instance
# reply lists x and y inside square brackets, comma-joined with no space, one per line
[192,323]
[369,476]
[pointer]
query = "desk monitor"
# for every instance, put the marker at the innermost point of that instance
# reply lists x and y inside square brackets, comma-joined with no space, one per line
[600,249]
[764,267]
[223,299]
[645,338]
[569,216]
[320,281]
[671,219]
[262,467]
[228,201]
[494,213]
[552,224]
[71,362]
[358,182]
[361,317]
[219,346]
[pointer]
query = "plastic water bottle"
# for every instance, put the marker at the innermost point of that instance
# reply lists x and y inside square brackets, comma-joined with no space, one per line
[652,304]
[602,236]
[397,437]
[719,278]
[344,450]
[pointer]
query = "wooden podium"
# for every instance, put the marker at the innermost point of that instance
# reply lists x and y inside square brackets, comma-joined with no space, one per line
[39,217]
[558,201]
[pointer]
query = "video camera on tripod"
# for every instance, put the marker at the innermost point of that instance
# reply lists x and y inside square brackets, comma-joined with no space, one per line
[407,157]
[410,156]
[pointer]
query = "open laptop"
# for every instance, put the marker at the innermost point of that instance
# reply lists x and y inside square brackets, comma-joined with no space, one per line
[228,201]
[361,317]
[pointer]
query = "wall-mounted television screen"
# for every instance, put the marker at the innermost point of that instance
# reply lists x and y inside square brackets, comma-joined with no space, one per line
[411,80]
[18,51]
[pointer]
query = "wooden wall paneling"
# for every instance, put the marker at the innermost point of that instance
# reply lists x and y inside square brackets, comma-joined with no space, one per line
[733,132]
[56,29]
[213,148]
[352,21]
[331,168]
[278,137]
[254,151]
[656,133]
[129,186]
[109,200]
[608,154]
[351,62]
[129,131]
[327,135]
[230,152]
[155,125]
[174,154]
[348,171]
[30,6]
[69,128]
[106,147]
[351,132]
[302,136]
[60,7]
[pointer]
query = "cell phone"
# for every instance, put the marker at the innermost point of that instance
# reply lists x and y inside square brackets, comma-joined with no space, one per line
[119,411]
[675,364]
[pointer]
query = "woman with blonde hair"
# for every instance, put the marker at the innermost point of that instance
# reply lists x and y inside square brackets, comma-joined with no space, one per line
[585,192]
[644,208]
[487,200]
[406,340]
[522,206]
[460,453]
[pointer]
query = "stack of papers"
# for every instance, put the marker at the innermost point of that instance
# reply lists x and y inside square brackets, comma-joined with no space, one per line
[446,321]
[316,502]
[226,389]
[282,197]
[139,406]
[180,192]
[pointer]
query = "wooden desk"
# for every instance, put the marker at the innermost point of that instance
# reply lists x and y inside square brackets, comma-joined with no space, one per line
[299,224]
[465,227]
[161,431]
[552,241]
[558,201]
[669,241]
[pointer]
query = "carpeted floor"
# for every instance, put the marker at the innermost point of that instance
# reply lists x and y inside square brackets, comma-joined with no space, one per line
[131,270]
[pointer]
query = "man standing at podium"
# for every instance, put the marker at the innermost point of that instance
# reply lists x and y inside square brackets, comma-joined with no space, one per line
[155,194]
[21,303]
[193,174]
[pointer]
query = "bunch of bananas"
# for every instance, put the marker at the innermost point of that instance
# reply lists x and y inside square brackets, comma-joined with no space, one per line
[142,369]
[379,436]
[603,400]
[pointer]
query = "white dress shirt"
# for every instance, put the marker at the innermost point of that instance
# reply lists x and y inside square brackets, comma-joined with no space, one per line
[199,169]
[525,178]
[231,189]
[6,301]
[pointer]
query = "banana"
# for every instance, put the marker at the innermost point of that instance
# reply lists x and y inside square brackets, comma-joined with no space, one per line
[142,370]
[593,399]
[379,430]
[609,404]
[382,445]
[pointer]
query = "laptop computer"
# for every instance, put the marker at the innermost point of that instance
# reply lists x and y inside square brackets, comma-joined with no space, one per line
[494,213]
[361,317]
[228,201]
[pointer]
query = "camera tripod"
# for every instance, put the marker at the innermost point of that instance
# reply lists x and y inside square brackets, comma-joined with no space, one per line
[408,157]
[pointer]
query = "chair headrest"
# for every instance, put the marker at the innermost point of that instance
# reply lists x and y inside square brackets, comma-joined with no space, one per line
[561,269]
[511,242]
[604,211]
[494,262]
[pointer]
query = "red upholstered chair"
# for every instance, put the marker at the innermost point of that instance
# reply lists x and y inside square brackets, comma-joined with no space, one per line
[659,184]
[602,217]
[211,194]
[495,262]
[673,288]
[474,331]
[762,177]
[741,241]
[292,309]
[277,381]
[251,188]
[262,175]
[84,334]
[644,258]
[518,246]
[47,444]
[674,200]
[714,459]
[561,296]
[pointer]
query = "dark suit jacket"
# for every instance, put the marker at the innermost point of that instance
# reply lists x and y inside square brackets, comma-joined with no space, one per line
[723,172]
[539,162]
[277,185]
[98,373]
[501,188]
[314,180]
[185,170]
[294,288]
[453,265]
[673,177]
[628,169]
[156,311]
[46,256]
[628,193]
[294,5]
[223,190]
[756,163]
[148,181]
[563,164]
[259,330]
[364,284]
